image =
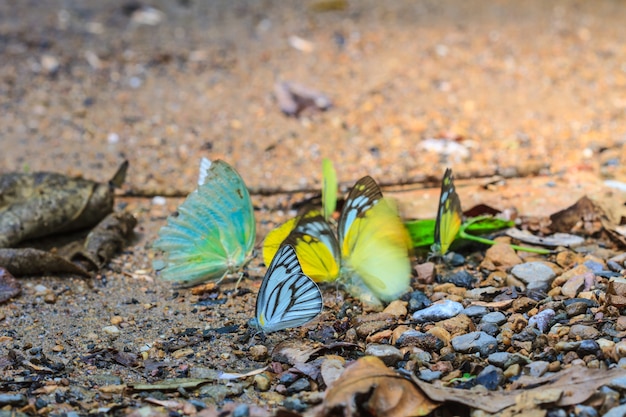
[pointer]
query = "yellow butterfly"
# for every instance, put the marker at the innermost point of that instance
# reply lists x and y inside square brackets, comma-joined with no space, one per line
[370,255]
[449,216]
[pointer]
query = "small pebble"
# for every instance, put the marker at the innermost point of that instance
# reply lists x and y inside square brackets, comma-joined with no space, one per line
[489,328]
[585,411]
[111,330]
[58,348]
[242,410]
[588,347]
[295,404]
[575,309]
[536,275]
[460,279]
[475,342]
[424,341]
[390,355]
[619,411]
[475,311]
[491,377]
[439,311]
[581,332]
[396,308]
[50,298]
[428,375]
[505,360]
[418,301]
[541,321]
[115,320]
[262,382]
[620,349]
[302,384]
[258,352]
[512,371]
[536,368]
[496,317]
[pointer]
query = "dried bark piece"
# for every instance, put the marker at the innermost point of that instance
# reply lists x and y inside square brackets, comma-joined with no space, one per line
[29,261]
[44,203]
[104,241]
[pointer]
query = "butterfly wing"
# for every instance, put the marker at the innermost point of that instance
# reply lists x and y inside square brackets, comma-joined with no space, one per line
[362,197]
[449,215]
[287,297]
[329,188]
[213,233]
[314,242]
[375,251]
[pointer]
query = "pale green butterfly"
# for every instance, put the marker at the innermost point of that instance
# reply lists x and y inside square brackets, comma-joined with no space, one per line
[214,232]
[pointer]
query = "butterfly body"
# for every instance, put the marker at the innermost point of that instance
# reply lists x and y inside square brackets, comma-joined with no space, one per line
[287,297]
[214,232]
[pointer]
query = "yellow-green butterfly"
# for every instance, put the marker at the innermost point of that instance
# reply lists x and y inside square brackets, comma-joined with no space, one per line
[214,232]
[370,254]
[449,216]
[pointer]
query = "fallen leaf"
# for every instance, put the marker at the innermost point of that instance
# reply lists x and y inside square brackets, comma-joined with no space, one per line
[104,241]
[29,261]
[583,217]
[9,286]
[45,203]
[368,387]
[576,385]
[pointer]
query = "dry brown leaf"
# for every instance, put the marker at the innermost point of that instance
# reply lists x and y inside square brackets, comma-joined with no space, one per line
[29,261]
[369,387]
[575,384]
[44,203]
[299,351]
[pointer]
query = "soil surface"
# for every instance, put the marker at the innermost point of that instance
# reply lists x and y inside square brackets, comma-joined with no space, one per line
[525,100]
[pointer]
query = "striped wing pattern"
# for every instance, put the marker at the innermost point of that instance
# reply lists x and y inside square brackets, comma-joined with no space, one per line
[449,215]
[287,297]
[362,197]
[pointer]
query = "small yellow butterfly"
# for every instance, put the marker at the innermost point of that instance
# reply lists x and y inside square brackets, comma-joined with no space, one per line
[449,216]
[370,255]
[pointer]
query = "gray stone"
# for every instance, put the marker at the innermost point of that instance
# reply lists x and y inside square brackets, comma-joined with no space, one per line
[536,275]
[424,341]
[536,368]
[475,342]
[390,355]
[505,359]
[439,311]
[581,331]
[302,384]
[496,317]
[489,328]
[619,411]
[618,383]
[541,321]
[475,311]
[428,375]
[491,377]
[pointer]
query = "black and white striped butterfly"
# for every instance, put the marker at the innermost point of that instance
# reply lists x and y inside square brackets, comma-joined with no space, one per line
[287,297]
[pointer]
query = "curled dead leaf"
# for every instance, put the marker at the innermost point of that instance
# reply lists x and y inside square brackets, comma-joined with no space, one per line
[368,387]
[45,203]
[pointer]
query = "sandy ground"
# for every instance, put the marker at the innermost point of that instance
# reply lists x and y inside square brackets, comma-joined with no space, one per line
[532,92]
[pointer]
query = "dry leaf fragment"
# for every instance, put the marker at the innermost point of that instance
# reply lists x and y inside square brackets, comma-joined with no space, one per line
[44,203]
[368,387]
[104,241]
[572,386]
[29,261]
